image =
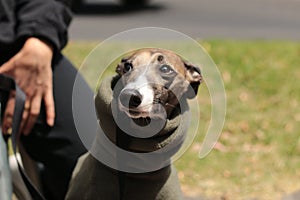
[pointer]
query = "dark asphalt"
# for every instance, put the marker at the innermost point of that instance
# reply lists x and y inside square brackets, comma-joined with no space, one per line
[233,19]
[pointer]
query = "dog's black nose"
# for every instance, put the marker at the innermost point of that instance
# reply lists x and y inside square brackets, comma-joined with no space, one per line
[130,98]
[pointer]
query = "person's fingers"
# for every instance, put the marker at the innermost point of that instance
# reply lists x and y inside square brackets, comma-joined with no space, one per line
[8,114]
[31,69]
[49,105]
[7,68]
[33,113]
[25,114]
[7,125]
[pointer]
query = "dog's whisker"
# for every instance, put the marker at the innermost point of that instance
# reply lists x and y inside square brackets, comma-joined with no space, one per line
[172,106]
[145,106]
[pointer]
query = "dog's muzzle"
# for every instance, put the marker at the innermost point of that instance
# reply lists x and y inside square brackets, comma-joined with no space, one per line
[134,104]
[130,98]
[140,103]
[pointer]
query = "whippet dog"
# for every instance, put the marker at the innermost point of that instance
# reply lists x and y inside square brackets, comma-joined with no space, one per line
[151,85]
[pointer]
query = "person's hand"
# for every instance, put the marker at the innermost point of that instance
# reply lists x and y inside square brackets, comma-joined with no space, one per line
[31,69]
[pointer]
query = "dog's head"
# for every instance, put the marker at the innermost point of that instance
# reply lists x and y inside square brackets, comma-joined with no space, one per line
[154,81]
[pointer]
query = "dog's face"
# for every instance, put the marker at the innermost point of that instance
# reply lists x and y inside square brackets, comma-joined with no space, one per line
[153,81]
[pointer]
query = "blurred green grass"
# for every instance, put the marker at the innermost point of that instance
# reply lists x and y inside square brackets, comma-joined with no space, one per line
[258,153]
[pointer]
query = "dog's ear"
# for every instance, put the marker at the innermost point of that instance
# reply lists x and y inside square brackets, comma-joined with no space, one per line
[194,77]
[120,66]
[123,66]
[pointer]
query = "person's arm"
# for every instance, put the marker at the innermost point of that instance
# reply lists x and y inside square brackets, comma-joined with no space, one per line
[44,19]
[42,24]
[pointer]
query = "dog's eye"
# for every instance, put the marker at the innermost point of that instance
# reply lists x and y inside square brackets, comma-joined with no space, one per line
[127,67]
[166,69]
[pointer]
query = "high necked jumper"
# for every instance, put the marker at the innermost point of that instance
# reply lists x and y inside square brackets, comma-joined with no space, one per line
[94,176]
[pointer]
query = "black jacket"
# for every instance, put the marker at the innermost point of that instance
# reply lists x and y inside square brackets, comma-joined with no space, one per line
[44,19]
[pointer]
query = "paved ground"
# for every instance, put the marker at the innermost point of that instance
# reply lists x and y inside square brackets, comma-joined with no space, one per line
[236,19]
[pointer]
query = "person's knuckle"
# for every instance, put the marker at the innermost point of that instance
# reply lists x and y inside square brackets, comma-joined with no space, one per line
[46,87]
[8,113]
[34,112]
[29,92]
[24,117]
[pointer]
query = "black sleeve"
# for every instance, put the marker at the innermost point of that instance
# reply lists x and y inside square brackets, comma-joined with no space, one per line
[44,19]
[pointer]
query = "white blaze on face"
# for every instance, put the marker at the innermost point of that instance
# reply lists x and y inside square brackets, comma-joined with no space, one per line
[142,85]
